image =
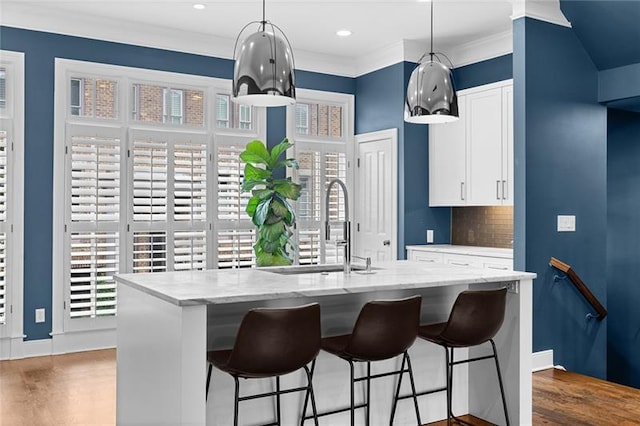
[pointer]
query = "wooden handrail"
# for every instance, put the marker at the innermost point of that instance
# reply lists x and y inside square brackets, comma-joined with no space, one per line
[580,285]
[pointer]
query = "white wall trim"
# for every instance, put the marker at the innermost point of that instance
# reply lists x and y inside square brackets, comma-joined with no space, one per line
[41,347]
[40,18]
[542,360]
[542,10]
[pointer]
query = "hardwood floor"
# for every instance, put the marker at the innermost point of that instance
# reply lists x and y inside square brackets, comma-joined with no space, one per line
[80,389]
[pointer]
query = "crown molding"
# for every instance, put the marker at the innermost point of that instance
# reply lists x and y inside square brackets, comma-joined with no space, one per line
[40,18]
[542,10]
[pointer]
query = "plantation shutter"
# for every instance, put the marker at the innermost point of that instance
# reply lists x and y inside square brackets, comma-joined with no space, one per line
[3,224]
[94,193]
[235,233]
[169,201]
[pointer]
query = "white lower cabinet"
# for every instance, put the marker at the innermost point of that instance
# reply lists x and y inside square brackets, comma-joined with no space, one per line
[464,256]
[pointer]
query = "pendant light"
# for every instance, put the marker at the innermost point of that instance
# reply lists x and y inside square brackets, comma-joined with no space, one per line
[264,67]
[431,94]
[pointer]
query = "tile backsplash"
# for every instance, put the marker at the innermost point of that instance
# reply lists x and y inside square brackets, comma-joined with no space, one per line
[482,226]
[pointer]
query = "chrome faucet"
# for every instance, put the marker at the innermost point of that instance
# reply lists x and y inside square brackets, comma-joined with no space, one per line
[346,225]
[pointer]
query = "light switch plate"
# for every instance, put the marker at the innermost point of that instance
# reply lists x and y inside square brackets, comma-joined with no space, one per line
[566,223]
[429,236]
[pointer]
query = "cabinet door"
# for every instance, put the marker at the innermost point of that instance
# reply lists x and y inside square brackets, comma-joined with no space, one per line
[484,154]
[447,161]
[425,256]
[507,145]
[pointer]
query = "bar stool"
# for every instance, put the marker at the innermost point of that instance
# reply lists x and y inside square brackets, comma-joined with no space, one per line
[271,343]
[475,318]
[384,329]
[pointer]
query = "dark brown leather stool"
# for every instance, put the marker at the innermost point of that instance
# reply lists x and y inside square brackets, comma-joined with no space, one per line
[271,343]
[384,329]
[475,318]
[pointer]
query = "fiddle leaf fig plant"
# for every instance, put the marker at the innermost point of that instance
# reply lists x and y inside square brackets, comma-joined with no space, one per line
[268,206]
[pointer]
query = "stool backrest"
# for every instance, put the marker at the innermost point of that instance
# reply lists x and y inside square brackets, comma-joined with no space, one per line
[385,328]
[278,341]
[476,317]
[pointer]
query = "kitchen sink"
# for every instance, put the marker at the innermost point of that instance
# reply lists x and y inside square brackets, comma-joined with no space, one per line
[311,269]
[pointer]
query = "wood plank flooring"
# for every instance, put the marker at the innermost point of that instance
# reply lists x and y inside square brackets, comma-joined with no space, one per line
[80,389]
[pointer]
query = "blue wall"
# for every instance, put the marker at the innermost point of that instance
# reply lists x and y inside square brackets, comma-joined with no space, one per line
[623,247]
[40,50]
[563,140]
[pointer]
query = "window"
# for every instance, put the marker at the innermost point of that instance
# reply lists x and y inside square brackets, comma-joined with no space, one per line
[154,104]
[319,119]
[173,106]
[11,181]
[158,188]
[231,115]
[93,97]
[3,88]
[322,151]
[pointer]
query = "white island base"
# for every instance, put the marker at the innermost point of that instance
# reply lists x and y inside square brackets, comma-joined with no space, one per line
[168,321]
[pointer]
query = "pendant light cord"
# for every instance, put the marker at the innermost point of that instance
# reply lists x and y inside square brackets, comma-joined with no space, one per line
[431,52]
[264,18]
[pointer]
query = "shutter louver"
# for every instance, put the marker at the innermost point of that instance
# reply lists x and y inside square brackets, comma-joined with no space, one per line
[94,261]
[149,181]
[3,224]
[232,202]
[95,180]
[3,278]
[235,248]
[149,251]
[190,250]
[335,166]
[190,182]
[309,246]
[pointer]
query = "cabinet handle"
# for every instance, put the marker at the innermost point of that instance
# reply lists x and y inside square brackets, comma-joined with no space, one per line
[500,268]
[427,260]
[462,191]
[504,190]
[458,264]
[498,189]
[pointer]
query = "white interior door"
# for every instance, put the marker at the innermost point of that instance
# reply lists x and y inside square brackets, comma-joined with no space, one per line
[376,199]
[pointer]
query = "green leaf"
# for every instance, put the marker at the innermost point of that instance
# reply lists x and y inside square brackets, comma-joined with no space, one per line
[278,208]
[277,150]
[289,162]
[248,185]
[288,218]
[262,210]
[256,152]
[262,193]
[273,233]
[252,205]
[252,172]
[288,189]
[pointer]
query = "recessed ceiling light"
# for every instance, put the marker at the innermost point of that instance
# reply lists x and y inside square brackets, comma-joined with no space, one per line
[199,6]
[343,33]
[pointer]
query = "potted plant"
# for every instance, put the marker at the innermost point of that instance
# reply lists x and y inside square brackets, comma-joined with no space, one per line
[269,207]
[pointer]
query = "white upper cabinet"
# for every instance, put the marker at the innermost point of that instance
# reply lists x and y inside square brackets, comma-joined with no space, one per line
[447,168]
[471,160]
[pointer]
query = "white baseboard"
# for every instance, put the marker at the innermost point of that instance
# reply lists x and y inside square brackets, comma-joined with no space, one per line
[60,344]
[542,360]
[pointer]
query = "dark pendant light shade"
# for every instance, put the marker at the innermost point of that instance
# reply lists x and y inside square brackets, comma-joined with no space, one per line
[264,67]
[431,93]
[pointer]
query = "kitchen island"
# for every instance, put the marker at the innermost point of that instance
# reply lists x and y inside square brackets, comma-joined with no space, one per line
[168,321]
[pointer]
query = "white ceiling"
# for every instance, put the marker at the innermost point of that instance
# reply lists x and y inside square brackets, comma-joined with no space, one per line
[310,25]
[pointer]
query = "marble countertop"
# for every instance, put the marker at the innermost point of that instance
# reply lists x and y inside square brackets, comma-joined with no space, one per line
[219,286]
[466,250]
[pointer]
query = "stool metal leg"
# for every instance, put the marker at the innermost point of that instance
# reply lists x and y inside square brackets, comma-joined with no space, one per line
[236,401]
[306,395]
[413,389]
[310,393]
[504,400]
[395,398]
[278,400]
[449,383]
[353,403]
[368,393]
[208,380]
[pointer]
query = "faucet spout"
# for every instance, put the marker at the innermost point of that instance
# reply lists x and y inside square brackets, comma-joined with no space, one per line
[346,226]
